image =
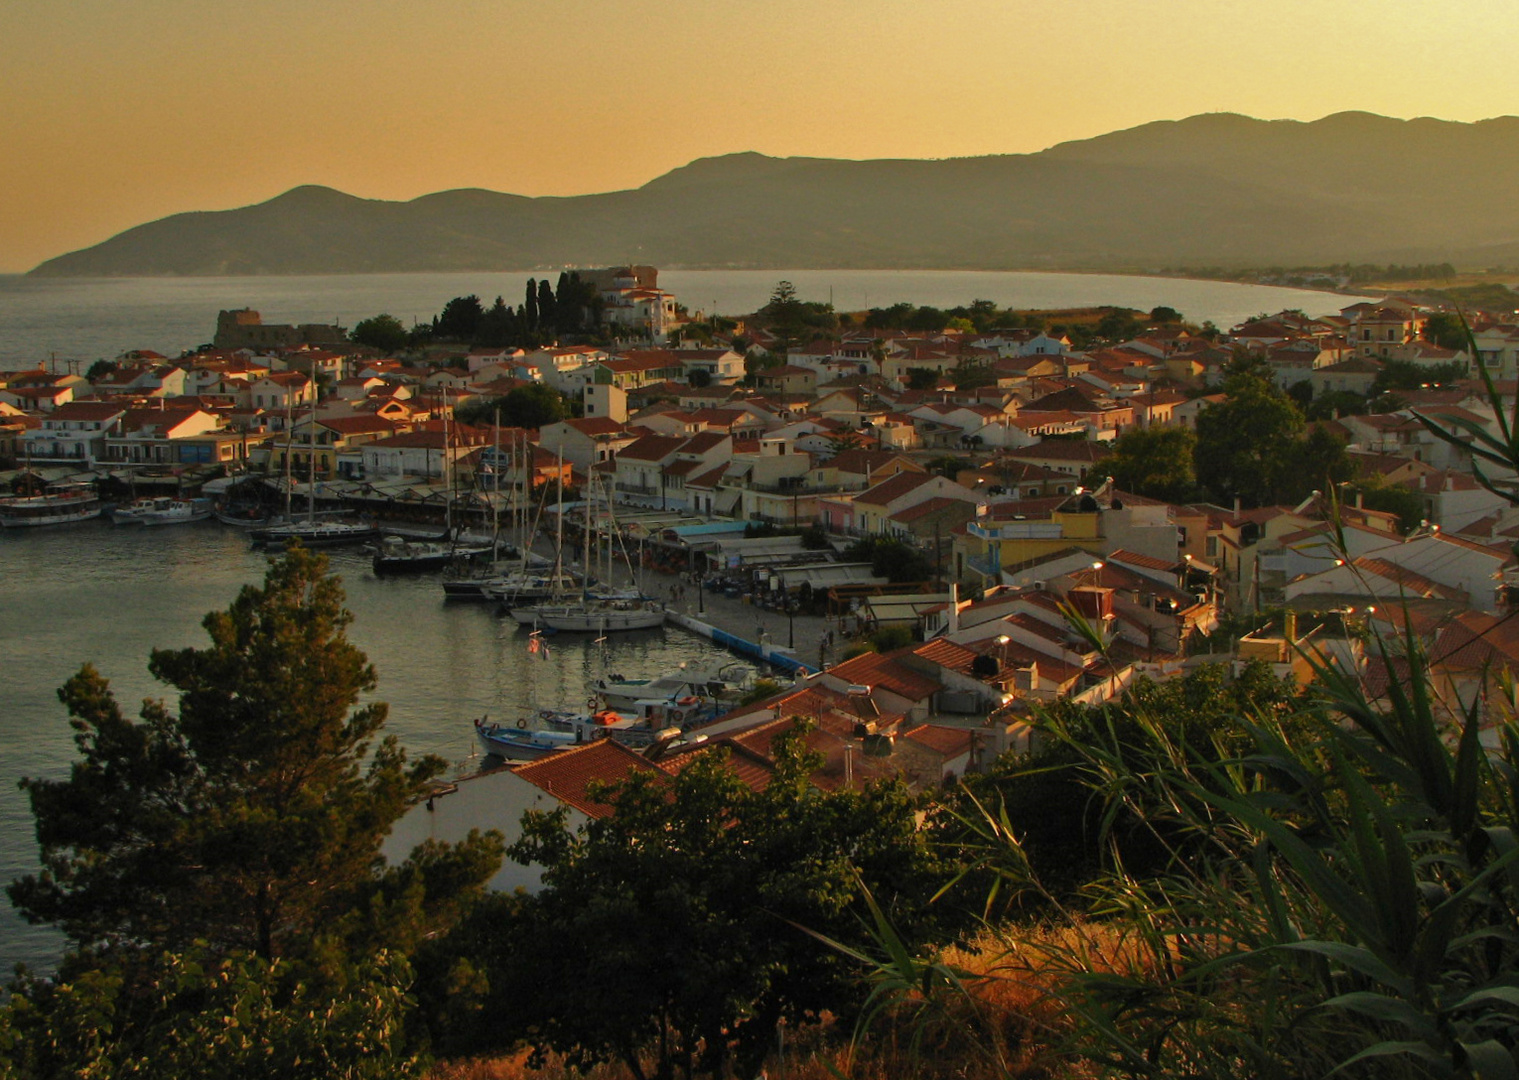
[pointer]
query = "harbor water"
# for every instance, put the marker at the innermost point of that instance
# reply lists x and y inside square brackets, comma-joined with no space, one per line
[106,595]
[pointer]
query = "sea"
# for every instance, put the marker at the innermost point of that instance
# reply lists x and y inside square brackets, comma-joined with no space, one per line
[94,593]
[81,320]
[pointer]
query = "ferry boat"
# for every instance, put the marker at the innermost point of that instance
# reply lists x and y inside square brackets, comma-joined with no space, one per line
[60,506]
[162,510]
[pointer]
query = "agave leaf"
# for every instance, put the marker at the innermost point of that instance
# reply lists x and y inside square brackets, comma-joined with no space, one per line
[1491,1060]
[1358,959]
[1439,1063]
[1388,1010]
[1500,995]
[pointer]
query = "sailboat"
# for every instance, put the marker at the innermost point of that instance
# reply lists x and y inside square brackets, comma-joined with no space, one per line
[403,555]
[604,611]
[311,532]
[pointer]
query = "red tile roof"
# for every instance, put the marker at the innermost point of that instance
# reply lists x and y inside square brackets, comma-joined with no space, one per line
[567,775]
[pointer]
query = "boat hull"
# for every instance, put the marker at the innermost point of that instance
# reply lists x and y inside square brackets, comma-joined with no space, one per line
[37,510]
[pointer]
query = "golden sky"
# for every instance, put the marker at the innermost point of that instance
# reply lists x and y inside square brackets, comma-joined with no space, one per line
[115,112]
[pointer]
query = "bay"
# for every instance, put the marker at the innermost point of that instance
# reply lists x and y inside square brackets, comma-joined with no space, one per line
[85,319]
[108,595]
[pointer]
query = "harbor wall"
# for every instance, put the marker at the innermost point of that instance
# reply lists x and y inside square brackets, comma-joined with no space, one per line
[768,654]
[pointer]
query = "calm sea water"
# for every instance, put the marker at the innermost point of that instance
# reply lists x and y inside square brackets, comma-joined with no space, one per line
[105,595]
[87,319]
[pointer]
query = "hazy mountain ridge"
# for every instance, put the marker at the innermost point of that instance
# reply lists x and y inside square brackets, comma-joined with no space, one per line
[1216,189]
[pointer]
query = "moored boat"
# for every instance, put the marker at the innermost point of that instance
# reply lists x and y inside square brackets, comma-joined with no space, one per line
[685,686]
[400,555]
[162,510]
[314,534]
[593,616]
[60,506]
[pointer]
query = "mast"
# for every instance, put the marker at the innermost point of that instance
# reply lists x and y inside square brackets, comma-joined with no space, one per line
[311,472]
[289,452]
[559,525]
[496,499]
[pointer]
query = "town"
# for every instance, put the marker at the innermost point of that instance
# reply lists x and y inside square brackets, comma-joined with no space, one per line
[932,504]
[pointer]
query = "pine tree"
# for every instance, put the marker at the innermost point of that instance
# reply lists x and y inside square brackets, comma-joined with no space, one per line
[251,818]
[530,305]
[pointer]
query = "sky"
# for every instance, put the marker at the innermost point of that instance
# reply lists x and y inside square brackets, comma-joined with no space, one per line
[113,113]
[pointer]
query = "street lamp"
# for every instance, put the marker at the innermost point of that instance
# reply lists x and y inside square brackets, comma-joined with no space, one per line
[790,616]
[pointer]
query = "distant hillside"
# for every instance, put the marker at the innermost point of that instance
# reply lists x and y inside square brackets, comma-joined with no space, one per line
[1218,190]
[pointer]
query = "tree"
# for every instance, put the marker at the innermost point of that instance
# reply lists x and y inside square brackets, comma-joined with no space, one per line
[668,931]
[921,378]
[1164,315]
[548,312]
[891,558]
[1155,462]
[383,332]
[530,406]
[1243,442]
[459,320]
[251,818]
[1315,461]
[530,305]
[100,369]
[699,378]
[1446,329]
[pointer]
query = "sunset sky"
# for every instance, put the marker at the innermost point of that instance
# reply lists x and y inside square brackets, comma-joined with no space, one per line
[117,113]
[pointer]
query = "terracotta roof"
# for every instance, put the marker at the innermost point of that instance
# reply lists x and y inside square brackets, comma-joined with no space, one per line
[873,669]
[568,774]
[948,741]
[947,654]
[893,487]
[652,448]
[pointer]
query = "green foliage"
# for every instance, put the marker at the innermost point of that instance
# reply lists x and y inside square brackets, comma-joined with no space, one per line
[669,930]
[459,320]
[922,378]
[699,378]
[100,368]
[1335,403]
[1157,462]
[383,332]
[530,406]
[1164,315]
[1243,443]
[198,1015]
[893,559]
[1446,330]
[1392,499]
[761,689]
[1406,375]
[888,638]
[251,818]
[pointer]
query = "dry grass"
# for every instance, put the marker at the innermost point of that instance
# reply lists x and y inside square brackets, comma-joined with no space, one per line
[1010,1025]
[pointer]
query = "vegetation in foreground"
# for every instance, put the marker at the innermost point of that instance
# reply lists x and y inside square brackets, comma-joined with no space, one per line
[1216,876]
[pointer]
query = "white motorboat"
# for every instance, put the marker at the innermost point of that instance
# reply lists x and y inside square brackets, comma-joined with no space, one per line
[685,686]
[162,510]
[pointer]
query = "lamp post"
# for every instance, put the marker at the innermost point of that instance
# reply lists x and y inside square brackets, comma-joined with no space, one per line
[790,616]
[701,588]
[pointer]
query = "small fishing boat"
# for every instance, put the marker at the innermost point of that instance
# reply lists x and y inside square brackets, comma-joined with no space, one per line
[162,510]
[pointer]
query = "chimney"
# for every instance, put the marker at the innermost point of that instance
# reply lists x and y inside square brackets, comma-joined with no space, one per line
[1289,626]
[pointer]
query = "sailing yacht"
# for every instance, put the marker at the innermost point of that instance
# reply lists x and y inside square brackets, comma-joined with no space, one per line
[604,610]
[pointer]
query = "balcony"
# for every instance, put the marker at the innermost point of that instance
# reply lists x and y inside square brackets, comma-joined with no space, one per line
[634,489]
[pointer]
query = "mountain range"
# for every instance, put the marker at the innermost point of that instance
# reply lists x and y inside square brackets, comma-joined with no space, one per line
[1215,190]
